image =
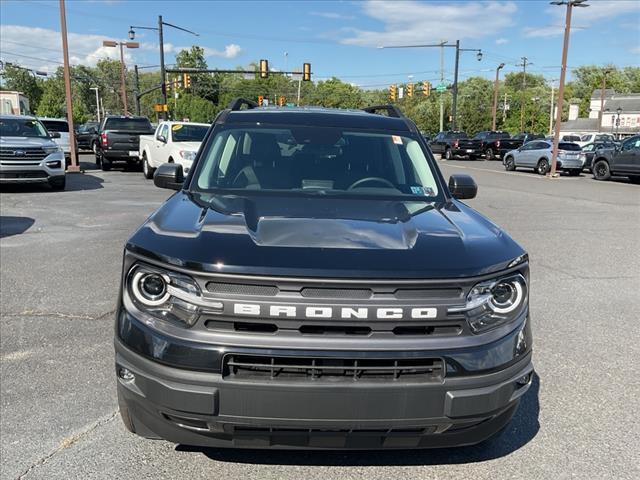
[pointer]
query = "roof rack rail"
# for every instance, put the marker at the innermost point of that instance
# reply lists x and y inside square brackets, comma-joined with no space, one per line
[237,103]
[391,110]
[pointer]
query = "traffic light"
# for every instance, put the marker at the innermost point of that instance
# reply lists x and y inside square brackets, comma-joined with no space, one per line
[186,80]
[306,72]
[393,93]
[281,101]
[426,88]
[410,90]
[264,68]
[260,100]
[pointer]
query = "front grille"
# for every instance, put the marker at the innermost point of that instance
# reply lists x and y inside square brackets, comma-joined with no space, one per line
[218,288]
[26,174]
[330,369]
[22,154]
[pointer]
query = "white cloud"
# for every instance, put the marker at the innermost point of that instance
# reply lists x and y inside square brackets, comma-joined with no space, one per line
[332,15]
[42,48]
[585,17]
[230,51]
[412,22]
[502,41]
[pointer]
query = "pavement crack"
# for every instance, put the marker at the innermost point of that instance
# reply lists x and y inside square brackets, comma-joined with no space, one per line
[71,316]
[68,442]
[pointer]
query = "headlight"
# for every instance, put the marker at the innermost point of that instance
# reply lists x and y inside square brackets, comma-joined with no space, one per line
[188,155]
[494,302]
[168,295]
[50,150]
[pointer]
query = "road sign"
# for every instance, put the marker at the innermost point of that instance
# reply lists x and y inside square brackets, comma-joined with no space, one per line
[441,88]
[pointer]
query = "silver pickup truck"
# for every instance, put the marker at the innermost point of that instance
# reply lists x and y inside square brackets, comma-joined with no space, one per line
[28,153]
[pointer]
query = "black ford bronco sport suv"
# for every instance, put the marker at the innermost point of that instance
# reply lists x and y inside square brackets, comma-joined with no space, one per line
[314,283]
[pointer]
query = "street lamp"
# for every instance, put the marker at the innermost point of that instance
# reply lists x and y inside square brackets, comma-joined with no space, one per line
[97,101]
[454,105]
[495,97]
[563,70]
[123,84]
[619,111]
[161,23]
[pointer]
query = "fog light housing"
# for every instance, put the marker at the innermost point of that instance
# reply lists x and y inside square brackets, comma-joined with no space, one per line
[524,380]
[126,374]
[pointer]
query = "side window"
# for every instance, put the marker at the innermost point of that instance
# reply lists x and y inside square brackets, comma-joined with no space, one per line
[165,132]
[588,148]
[528,146]
[631,144]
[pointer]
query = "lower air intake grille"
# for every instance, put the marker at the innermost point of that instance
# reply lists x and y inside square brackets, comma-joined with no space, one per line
[254,367]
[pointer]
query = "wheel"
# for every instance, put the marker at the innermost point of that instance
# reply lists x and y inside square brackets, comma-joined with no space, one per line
[543,166]
[147,171]
[490,155]
[447,154]
[575,172]
[57,183]
[634,179]
[509,164]
[601,170]
[105,164]
[94,147]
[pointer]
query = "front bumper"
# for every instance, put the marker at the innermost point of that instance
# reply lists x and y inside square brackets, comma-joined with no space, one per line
[25,171]
[474,400]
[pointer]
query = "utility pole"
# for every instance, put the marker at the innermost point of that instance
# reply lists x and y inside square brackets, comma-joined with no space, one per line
[563,70]
[551,110]
[524,86]
[137,85]
[441,82]
[123,82]
[67,88]
[97,101]
[602,89]
[495,97]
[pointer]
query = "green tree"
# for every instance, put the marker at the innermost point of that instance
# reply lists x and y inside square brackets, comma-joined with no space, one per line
[22,80]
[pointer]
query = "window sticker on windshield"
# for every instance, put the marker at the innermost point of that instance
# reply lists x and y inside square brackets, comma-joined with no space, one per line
[176,127]
[396,139]
[425,191]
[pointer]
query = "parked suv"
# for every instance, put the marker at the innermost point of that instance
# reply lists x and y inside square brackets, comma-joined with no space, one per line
[621,160]
[118,140]
[537,155]
[28,152]
[314,283]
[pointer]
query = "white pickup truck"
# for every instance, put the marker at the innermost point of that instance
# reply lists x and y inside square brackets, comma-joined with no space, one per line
[172,142]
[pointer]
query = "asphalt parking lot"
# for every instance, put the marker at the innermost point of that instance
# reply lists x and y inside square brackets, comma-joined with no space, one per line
[60,255]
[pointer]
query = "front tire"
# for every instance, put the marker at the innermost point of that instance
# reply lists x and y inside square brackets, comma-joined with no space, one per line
[543,166]
[509,164]
[490,155]
[147,171]
[601,170]
[448,155]
[58,183]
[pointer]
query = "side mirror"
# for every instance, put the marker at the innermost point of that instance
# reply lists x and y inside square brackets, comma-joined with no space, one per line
[462,186]
[161,138]
[169,175]
[54,134]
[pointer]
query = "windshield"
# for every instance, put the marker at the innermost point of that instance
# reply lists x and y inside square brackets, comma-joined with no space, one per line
[128,124]
[315,160]
[182,132]
[56,126]
[20,127]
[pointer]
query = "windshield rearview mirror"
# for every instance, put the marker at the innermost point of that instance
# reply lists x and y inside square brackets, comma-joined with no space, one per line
[169,175]
[462,186]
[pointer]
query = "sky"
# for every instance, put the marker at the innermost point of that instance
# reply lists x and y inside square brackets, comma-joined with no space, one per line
[338,38]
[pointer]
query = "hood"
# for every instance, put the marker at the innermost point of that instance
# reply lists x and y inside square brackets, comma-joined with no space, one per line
[10,142]
[321,237]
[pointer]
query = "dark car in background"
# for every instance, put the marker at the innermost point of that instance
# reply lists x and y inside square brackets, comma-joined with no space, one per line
[621,160]
[452,144]
[589,151]
[87,136]
[493,145]
[119,140]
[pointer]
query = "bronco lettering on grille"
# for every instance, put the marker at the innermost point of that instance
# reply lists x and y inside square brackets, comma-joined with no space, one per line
[363,313]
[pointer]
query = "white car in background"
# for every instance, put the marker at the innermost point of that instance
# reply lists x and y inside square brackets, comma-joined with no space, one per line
[588,138]
[172,142]
[61,126]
